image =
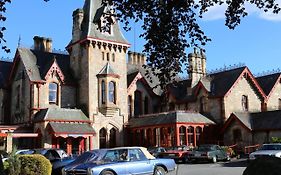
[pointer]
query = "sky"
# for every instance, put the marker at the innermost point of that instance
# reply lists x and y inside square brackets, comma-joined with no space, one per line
[256,42]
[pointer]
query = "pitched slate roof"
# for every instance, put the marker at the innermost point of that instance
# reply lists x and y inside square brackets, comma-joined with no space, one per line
[131,77]
[107,69]
[37,63]
[60,114]
[132,70]
[269,120]
[179,90]
[93,11]
[169,118]
[266,120]
[267,82]
[5,68]
[71,128]
[221,82]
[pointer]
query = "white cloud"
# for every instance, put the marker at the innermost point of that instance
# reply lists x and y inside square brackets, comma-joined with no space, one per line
[217,12]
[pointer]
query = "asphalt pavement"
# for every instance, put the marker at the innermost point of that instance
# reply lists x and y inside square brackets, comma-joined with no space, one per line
[233,167]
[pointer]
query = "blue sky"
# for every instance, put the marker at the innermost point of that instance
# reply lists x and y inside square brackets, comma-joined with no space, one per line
[256,42]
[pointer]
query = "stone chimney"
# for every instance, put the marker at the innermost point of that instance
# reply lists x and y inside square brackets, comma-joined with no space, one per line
[42,44]
[78,16]
[135,58]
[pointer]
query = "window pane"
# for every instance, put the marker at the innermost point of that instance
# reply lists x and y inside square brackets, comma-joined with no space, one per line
[53,92]
[111,92]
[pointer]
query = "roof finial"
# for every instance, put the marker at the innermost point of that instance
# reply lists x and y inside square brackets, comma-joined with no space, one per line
[19,41]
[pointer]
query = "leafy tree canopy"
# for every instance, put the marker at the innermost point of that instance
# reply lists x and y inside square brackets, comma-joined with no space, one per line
[170,26]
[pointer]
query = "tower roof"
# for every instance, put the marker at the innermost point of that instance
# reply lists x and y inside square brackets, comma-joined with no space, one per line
[107,70]
[93,14]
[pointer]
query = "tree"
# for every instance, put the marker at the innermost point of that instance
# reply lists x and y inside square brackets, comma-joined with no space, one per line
[170,27]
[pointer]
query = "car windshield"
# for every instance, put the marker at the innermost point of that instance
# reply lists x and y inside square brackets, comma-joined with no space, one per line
[204,148]
[271,147]
[89,156]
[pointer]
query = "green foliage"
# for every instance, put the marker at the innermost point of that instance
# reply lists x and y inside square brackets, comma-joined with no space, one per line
[14,164]
[229,151]
[275,140]
[35,164]
[28,165]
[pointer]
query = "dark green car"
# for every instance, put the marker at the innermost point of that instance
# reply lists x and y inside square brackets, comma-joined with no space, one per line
[208,152]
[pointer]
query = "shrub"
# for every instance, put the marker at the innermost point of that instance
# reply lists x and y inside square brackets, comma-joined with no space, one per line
[13,164]
[229,151]
[35,164]
[276,140]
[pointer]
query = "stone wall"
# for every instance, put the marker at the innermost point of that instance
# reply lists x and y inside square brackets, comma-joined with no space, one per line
[274,98]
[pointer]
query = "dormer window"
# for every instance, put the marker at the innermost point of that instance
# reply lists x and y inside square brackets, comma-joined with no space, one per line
[53,93]
[106,24]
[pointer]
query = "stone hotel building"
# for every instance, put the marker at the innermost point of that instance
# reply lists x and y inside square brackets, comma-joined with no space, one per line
[97,95]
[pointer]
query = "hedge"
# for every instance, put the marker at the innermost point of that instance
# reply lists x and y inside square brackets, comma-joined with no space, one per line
[33,164]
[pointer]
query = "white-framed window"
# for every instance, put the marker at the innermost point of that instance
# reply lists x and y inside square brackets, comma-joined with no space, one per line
[53,93]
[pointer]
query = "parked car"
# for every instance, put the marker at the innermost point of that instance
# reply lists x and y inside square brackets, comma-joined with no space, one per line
[178,153]
[57,157]
[121,161]
[272,149]
[155,151]
[208,152]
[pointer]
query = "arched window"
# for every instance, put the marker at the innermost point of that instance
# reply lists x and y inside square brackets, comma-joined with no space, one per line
[198,131]
[146,105]
[103,92]
[245,103]
[112,139]
[190,133]
[111,92]
[53,93]
[182,135]
[103,138]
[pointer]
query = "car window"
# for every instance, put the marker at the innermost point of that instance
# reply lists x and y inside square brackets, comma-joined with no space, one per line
[136,155]
[112,155]
[52,154]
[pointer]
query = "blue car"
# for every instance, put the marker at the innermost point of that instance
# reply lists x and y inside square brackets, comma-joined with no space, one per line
[121,161]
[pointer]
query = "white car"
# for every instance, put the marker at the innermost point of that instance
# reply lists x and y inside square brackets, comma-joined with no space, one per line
[271,149]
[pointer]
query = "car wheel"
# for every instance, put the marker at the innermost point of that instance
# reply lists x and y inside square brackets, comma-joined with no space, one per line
[214,159]
[159,171]
[107,173]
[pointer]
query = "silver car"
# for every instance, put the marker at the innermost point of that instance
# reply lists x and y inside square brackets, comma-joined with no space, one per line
[271,149]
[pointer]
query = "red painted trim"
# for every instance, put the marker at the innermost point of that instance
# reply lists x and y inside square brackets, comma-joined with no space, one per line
[137,77]
[85,133]
[252,78]
[16,59]
[198,87]
[3,134]
[97,39]
[179,124]
[55,68]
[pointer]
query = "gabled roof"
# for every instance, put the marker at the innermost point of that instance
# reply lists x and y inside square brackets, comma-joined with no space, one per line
[222,82]
[269,120]
[170,118]
[37,63]
[5,68]
[268,82]
[152,82]
[93,11]
[179,90]
[61,114]
[131,77]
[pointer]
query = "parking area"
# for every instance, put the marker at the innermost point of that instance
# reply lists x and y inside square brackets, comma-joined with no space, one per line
[234,167]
